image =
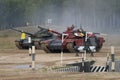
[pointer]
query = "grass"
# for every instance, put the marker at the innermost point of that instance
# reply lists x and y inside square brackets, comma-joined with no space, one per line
[7,38]
[7,43]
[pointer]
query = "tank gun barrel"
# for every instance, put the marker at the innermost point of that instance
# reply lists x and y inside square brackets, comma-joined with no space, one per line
[97,33]
[44,29]
[16,30]
[30,34]
[41,27]
[50,30]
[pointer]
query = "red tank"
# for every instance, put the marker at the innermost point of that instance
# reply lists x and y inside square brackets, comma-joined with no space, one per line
[69,39]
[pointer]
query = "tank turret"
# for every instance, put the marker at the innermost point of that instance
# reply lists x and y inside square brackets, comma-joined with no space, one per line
[37,37]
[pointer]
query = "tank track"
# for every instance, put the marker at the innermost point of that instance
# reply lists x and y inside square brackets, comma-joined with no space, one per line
[17,43]
[44,47]
[37,45]
[70,47]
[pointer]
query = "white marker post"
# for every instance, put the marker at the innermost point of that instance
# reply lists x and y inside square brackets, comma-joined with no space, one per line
[107,63]
[84,53]
[33,57]
[30,41]
[62,47]
[112,59]
[86,37]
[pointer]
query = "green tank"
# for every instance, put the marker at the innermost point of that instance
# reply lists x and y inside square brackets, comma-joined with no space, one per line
[36,38]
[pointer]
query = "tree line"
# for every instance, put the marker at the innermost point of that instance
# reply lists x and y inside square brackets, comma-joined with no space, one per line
[93,14]
[18,12]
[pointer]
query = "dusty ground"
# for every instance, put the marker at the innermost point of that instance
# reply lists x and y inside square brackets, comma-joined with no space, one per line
[14,65]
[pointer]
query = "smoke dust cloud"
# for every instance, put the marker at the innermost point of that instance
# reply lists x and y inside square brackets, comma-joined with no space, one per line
[92,15]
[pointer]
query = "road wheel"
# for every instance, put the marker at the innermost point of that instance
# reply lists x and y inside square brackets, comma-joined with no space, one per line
[37,45]
[17,43]
[44,47]
[70,47]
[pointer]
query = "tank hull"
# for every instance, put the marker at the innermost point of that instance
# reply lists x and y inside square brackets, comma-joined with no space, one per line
[23,44]
[36,38]
[72,41]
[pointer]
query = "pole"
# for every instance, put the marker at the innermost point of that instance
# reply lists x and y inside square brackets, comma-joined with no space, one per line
[85,46]
[62,47]
[29,42]
[107,63]
[84,54]
[30,51]
[112,59]
[33,57]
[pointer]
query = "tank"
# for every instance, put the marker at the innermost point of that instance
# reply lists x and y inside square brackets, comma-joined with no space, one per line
[36,38]
[69,40]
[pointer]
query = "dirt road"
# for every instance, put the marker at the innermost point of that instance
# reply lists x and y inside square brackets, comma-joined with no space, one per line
[14,65]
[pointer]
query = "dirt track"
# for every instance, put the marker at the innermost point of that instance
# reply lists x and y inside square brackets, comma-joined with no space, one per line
[12,59]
